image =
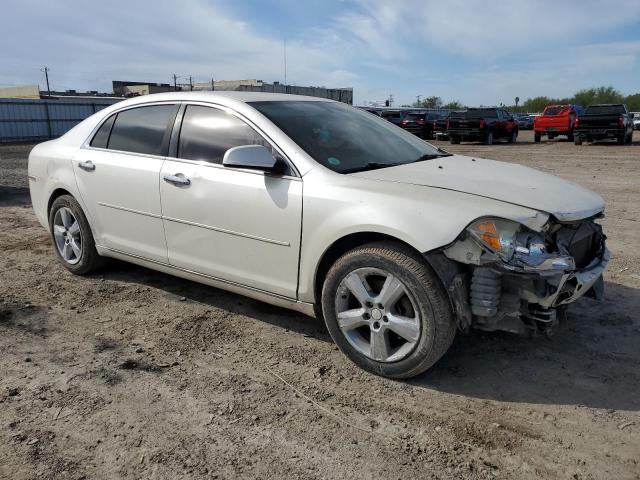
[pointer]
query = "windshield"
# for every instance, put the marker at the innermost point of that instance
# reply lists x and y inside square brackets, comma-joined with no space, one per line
[345,139]
[605,110]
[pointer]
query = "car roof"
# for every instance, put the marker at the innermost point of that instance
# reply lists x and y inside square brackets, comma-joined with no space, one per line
[224,97]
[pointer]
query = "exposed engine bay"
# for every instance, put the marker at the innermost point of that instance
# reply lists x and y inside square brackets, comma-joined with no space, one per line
[508,277]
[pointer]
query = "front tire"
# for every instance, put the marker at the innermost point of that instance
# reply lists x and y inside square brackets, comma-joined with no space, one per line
[454,140]
[387,310]
[72,238]
[577,140]
[537,137]
[488,140]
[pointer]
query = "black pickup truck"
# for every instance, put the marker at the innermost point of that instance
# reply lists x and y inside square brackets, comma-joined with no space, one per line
[483,124]
[602,122]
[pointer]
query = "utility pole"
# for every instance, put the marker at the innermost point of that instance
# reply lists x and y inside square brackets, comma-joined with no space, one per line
[175,82]
[190,83]
[285,61]
[46,76]
[391,100]
[418,100]
[213,86]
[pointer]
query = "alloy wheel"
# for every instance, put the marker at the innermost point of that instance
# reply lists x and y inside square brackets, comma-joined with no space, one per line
[67,235]
[377,314]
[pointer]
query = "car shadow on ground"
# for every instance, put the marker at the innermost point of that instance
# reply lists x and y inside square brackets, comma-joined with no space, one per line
[591,360]
[14,196]
[217,298]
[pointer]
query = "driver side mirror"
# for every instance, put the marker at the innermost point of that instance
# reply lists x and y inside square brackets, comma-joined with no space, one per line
[256,157]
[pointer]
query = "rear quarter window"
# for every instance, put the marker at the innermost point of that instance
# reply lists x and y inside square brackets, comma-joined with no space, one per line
[101,138]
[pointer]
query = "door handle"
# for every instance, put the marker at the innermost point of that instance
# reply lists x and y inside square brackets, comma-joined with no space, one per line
[87,165]
[178,179]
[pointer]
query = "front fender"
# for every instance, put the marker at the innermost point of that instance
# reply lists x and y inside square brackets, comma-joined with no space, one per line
[425,218]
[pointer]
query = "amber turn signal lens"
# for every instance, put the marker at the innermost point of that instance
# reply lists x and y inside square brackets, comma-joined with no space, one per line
[487,233]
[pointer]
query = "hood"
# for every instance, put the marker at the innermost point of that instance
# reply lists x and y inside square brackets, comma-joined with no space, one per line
[507,182]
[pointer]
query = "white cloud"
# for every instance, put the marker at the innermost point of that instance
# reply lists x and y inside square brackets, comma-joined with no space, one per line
[474,51]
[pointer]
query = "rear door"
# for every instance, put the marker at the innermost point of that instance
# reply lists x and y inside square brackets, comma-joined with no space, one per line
[118,175]
[237,225]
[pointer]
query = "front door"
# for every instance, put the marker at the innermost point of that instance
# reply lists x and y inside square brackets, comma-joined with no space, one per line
[118,175]
[236,225]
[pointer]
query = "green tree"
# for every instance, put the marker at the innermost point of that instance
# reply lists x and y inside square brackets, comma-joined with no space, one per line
[592,96]
[633,102]
[536,104]
[453,105]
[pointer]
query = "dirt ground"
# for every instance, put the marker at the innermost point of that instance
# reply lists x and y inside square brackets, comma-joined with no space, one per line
[136,374]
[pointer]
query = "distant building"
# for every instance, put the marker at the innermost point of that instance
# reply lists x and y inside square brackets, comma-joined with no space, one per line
[226,85]
[23,91]
[33,92]
[128,89]
[344,95]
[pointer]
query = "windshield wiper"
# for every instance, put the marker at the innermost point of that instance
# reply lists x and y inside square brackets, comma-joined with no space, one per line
[431,156]
[370,166]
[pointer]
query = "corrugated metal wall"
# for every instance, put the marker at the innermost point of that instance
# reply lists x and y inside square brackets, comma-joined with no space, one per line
[26,120]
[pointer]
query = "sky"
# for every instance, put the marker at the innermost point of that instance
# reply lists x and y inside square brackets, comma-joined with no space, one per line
[476,52]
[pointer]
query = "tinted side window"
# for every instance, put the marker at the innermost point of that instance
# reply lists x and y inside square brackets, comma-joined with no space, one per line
[143,130]
[207,133]
[101,138]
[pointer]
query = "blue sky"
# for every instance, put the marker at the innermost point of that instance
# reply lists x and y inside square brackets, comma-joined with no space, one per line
[477,52]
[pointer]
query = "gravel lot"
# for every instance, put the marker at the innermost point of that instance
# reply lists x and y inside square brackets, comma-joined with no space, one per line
[136,374]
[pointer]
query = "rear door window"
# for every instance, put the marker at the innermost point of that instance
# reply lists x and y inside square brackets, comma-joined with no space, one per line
[143,129]
[207,133]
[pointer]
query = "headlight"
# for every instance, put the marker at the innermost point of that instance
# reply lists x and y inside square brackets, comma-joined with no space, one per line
[497,235]
[518,246]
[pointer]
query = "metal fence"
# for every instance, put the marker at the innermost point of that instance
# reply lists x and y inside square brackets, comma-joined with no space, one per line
[33,120]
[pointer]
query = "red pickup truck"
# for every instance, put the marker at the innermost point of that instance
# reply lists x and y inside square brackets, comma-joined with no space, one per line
[556,120]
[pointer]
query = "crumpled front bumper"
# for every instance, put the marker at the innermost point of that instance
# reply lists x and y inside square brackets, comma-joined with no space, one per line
[573,285]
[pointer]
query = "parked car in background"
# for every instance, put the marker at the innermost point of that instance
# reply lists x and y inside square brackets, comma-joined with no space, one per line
[636,120]
[440,126]
[400,246]
[414,121]
[604,122]
[525,121]
[556,120]
[482,124]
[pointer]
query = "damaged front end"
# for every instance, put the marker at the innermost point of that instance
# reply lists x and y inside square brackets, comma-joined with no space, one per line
[506,276]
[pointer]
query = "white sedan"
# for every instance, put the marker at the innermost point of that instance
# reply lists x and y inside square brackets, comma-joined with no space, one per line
[320,207]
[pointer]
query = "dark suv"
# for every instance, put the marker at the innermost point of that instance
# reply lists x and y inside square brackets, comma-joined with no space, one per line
[482,124]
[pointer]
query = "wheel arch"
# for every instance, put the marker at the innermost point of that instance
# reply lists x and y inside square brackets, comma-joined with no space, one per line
[58,192]
[343,245]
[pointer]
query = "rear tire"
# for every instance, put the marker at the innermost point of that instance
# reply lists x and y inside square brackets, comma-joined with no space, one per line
[454,140]
[72,237]
[513,138]
[421,303]
[537,137]
[577,140]
[570,137]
